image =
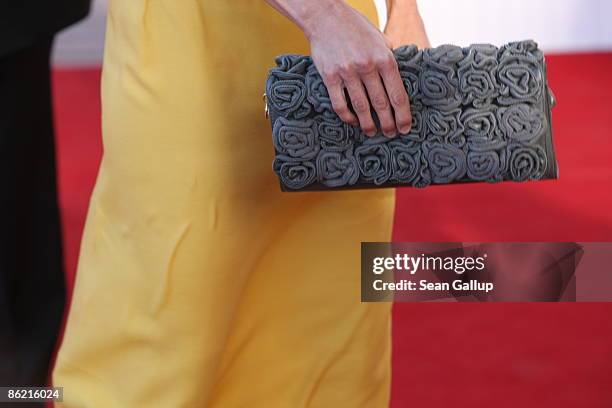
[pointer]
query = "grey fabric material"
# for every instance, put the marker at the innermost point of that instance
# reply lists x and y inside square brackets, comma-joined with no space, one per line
[480,113]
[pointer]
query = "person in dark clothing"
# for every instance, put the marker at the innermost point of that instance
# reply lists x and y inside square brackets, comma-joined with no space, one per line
[32,291]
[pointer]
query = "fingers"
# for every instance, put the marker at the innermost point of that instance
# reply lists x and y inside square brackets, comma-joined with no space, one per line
[361,105]
[387,96]
[397,95]
[336,95]
[380,102]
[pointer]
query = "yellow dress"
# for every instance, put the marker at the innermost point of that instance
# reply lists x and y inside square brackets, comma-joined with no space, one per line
[200,284]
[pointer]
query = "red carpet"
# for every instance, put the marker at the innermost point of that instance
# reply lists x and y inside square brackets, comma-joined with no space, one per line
[460,355]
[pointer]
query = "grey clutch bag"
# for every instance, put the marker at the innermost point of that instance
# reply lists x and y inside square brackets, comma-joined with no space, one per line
[480,114]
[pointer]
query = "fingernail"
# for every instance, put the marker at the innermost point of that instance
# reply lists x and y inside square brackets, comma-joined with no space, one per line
[405,130]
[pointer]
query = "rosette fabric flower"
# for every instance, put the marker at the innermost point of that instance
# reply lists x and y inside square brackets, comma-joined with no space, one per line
[522,123]
[408,55]
[294,173]
[285,87]
[334,134]
[486,146]
[409,61]
[296,138]
[484,165]
[378,139]
[526,162]
[317,92]
[447,163]
[520,74]
[477,81]
[408,164]
[438,82]
[417,128]
[374,161]
[337,169]
[480,125]
[293,64]
[444,127]
[522,48]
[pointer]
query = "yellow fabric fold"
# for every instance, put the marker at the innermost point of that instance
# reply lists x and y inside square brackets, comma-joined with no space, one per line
[199,283]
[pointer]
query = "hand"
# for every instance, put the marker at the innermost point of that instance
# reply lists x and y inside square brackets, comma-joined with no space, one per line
[351,53]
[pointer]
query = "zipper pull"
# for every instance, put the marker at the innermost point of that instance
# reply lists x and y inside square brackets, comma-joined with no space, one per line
[266,111]
[552,98]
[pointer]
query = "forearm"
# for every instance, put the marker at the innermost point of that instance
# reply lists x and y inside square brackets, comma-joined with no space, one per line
[401,7]
[404,24]
[306,14]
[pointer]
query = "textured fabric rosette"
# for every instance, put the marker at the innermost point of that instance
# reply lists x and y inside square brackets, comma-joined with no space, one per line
[408,164]
[477,75]
[374,161]
[526,47]
[337,169]
[334,134]
[285,87]
[484,165]
[526,162]
[486,147]
[378,139]
[520,73]
[296,138]
[522,123]
[317,92]
[438,82]
[480,125]
[294,173]
[409,61]
[408,55]
[446,162]
[417,127]
[444,126]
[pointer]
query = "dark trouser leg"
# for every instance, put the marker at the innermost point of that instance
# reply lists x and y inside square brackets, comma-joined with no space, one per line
[32,288]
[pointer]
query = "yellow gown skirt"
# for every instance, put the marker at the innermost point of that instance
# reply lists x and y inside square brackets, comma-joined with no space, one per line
[199,283]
